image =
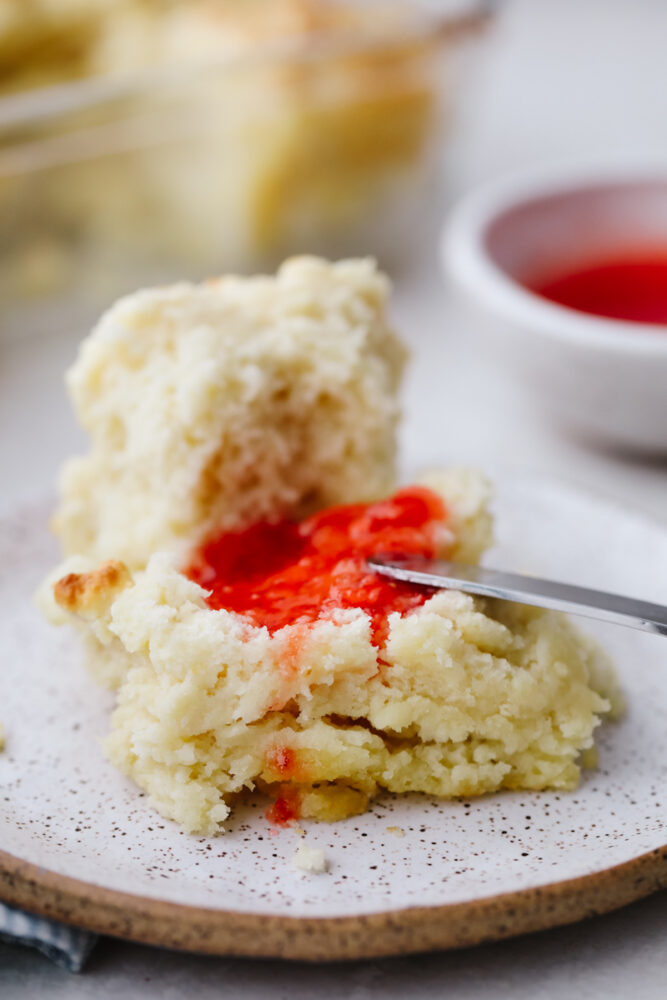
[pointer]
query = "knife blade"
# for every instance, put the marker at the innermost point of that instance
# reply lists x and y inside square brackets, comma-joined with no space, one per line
[552,594]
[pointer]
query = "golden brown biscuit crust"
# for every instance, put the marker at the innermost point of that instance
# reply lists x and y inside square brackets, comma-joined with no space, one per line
[89,593]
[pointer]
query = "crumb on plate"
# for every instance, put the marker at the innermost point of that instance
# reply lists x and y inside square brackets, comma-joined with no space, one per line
[310,860]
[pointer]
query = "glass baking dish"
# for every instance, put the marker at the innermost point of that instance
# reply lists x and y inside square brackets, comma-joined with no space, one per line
[327,144]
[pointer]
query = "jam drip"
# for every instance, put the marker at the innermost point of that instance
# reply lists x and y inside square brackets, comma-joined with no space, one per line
[277,573]
[284,811]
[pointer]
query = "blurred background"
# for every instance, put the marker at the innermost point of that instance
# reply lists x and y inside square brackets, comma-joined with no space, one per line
[145,141]
[150,140]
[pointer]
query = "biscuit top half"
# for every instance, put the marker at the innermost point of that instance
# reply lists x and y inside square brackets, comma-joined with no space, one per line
[211,406]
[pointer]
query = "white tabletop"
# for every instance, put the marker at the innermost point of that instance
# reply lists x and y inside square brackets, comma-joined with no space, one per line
[561,78]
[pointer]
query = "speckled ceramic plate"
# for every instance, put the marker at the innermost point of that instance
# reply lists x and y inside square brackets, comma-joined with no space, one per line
[80,843]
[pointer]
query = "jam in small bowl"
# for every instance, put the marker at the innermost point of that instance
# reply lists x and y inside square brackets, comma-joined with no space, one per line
[565,274]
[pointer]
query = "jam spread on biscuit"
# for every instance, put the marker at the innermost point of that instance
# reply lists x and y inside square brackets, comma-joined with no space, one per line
[278,573]
[283,760]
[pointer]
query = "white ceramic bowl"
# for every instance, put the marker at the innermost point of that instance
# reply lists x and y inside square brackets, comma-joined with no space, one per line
[603,378]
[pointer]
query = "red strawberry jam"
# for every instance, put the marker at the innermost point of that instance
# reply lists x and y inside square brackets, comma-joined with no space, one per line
[278,573]
[283,811]
[631,286]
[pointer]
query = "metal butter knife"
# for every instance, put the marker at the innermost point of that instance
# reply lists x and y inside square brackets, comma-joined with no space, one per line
[525,590]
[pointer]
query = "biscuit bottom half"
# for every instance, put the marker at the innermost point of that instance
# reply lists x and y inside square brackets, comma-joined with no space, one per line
[454,696]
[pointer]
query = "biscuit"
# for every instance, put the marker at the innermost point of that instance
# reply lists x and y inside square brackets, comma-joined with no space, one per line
[463,696]
[209,406]
[242,406]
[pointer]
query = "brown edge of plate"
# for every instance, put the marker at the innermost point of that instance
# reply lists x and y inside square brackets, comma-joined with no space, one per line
[320,939]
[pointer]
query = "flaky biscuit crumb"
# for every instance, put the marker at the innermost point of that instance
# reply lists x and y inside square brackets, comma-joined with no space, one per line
[310,860]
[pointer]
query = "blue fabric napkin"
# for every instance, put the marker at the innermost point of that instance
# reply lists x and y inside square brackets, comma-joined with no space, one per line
[68,947]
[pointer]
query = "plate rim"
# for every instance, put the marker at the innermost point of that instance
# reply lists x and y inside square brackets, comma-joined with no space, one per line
[403,931]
